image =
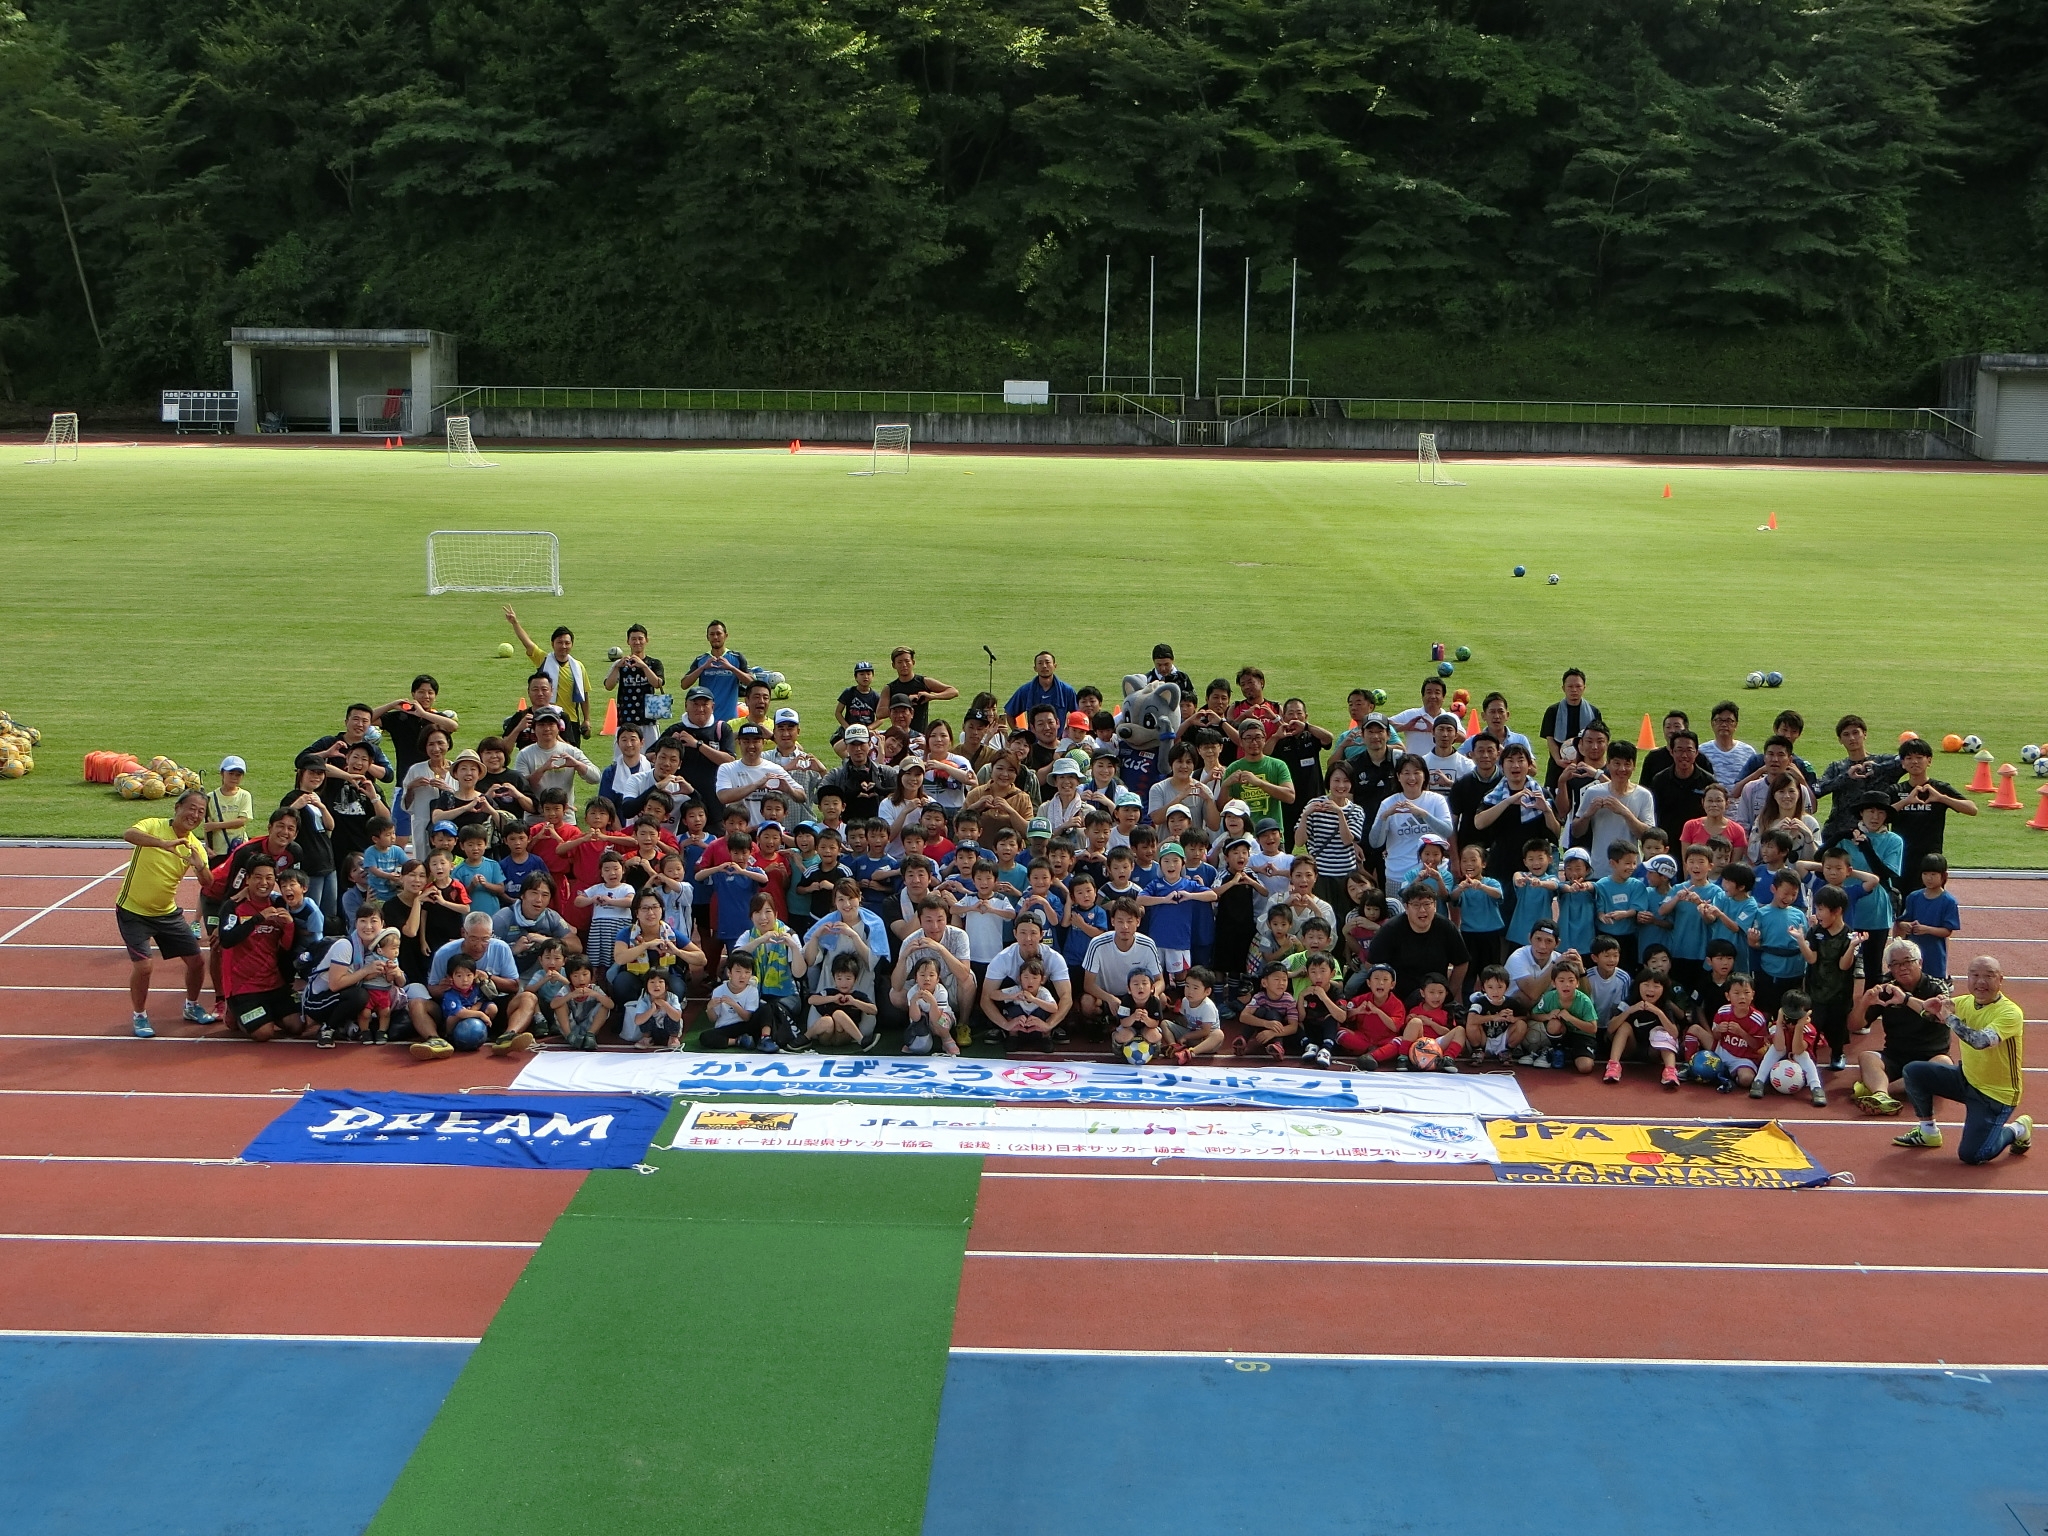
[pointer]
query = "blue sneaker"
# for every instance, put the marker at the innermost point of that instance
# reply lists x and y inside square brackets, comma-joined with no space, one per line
[1556,1060]
[194,1014]
[768,1047]
[144,1030]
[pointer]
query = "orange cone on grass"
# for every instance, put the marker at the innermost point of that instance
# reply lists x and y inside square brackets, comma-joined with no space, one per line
[1771,522]
[1646,738]
[795,443]
[2008,796]
[1667,493]
[611,718]
[1471,721]
[2040,821]
[1980,784]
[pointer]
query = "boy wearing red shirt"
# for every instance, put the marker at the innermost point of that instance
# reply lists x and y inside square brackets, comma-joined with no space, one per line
[1741,1033]
[1378,1020]
[256,946]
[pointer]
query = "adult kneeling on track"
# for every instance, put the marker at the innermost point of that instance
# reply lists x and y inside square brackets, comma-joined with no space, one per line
[256,958]
[1909,1007]
[167,849]
[1987,1084]
[337,995]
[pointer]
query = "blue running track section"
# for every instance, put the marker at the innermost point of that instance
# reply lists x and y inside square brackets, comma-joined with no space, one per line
[1062,1445]
[174,1437]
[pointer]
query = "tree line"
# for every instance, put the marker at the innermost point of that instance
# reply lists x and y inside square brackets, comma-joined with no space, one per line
[847,191]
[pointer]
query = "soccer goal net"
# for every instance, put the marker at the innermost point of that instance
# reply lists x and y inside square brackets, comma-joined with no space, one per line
[462,447]
[891,454]
[465,560]
[1429,469]
[62,442]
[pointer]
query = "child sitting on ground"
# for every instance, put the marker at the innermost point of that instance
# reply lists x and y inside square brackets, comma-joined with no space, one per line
[1494,1029]
[1140,1032]
[580,1011]
[1645,1022]
[1793,1037]
[1271,1018]
[1200,1030]
[382,990]
[1027,1008]
[1741,1036]
[931,1014]
[1378,1019]
[1323,1013]
[653,1020]
[729,1016]
[841,1014]
[1569,1017]
[1430,1019]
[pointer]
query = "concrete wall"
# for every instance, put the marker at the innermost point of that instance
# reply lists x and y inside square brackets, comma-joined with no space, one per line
[1305,432]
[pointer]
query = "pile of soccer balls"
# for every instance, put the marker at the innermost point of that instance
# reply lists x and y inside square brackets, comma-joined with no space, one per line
[2038,757]
[1764,680]
[17,747]
[162,777]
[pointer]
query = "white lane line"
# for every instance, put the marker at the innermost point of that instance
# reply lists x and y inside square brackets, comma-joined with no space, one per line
[1252,1357]
[141,1093]
[237,1338]
[1437,1183]
[79,1157]
[63,901]
[262,1242]
[1381,1261]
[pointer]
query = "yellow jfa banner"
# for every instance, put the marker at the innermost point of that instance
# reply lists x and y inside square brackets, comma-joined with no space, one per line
[1734,1156]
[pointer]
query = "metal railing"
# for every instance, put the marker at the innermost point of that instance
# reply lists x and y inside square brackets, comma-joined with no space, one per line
[579,397]
[1642,413]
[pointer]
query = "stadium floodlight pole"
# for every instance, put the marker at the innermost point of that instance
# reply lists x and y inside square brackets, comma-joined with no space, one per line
[1293,298]
[1105,320]
[1151,325]
[1200,231]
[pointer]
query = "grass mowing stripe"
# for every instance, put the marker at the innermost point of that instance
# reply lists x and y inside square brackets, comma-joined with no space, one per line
[740,1342]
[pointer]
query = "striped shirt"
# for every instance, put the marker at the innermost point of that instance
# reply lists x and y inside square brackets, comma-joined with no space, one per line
[1112,967]
[1326,845]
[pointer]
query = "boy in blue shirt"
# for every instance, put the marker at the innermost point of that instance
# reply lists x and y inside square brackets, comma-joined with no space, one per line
[384,858]
[732,886]
[480,874]
[1932,917]
[1535,892]
[1171,905]
[1775,936]
[1652,927]
[1738,913]
[1576,903]
[1475,901]
[1084,922]
[1196,841]
[1875,849]
[519,865]
[1620,899]
[1687,908]
[877,873]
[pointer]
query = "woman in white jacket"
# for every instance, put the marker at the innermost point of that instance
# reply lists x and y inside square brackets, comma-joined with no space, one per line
[1403,819]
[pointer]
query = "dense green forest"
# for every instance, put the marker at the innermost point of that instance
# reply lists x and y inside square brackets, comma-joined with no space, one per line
[1610,198]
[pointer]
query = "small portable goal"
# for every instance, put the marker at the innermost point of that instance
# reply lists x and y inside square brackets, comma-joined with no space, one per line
[492,560]
[462,447]
[62,443]
[1429,469]
[891,455]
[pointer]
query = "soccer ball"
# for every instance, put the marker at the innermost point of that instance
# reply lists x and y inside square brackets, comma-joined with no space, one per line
[1787,1078]
[1774,679]
[611,655]
[780,691]
[469,1034]
[1444,669]
[2029,753]
[1379,695]
[1555,578]
[1463,653]
[1425,1054]
[1521,570]
[1137,1053]
[505,649]
[1754,680]
[2041,767]
[1973,743]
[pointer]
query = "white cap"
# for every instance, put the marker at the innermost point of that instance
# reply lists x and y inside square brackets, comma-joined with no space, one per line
[233,765]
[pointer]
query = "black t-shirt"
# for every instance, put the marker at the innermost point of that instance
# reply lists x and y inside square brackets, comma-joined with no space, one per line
[1236,928]
[917,682]
[315,844]
[1711,997]
[633,691]
[861,708]
[1415,955]
[863,788]
[228,875]
[1467,799]
[1371,782]
[438,925]
[505,776]
[518,731]
[1303,755]
[1911,1034]
[407,733]
[1921,826]
[1563,722]
[699,771]
[348,814]
[1678,800]
[464,813]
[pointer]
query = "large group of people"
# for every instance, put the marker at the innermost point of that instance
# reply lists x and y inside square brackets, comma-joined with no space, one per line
[1415,891]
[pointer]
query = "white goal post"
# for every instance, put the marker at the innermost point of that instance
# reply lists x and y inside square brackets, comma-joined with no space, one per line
[62,442]
[493,560]
[1429,469]
[891,455]
[462,447]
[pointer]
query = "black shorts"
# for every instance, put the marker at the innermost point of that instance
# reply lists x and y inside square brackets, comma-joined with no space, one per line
[1896,1062]
[209,914]
[173,935]
[1577,1045]
[252,1010]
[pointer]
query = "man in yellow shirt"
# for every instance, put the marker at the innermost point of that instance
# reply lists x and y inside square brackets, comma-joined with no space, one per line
[167,849]
[1992,1031]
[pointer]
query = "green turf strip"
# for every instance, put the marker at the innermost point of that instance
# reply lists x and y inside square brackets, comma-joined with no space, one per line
[740,1342]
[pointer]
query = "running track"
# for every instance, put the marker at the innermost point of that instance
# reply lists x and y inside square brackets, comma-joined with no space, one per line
[1332,1334]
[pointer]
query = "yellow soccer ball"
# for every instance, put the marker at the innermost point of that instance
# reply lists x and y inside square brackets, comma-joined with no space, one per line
[12,768]
[152,788]
[128,786]
[160,763]
[35,736]
[28,764]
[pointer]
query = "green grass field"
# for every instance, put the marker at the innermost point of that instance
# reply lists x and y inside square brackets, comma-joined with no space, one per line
[196,601]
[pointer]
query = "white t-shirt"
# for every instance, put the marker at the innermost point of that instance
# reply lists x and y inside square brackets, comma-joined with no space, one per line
[1002,971]
[1417,730]
[1607,827]
[1202,1016]
[1446,771]
[956,946]
[527,766]
[723,997]
[984,921]
[757,781]
[1270,870]
[1727,762]
[1111,967]
[1522,964]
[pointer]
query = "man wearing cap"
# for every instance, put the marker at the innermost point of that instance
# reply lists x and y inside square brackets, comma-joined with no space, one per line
[923,691]
[1445,762]
[980,741]
[903,719]
[540,694]
[722,671]
[1045,689]
[1373,763]
[749,779]
[1528,968]
[861,781]
[1418,943]
[551,763]
[1164,670]
[705,742]
[1261,782]
[787,755]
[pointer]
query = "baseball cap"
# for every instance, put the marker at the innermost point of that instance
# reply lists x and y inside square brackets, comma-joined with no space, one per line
[1578,853]
[1432,840]
[233,765]
[786,717]
[1376,718]
[1663,864]
[1544,925]
[1266,824]
[768,822]
[445,826]
[812,827]
[699,692]
[749,729]
[1077,720]
[908,763]
[1447,718]
[1175,849]
[1039,827]
[1125,797]
[863,666]
[902,701]
[1179,809]
[1236,808]
[978,716]
[1063,767]
[855,733]
[549,712]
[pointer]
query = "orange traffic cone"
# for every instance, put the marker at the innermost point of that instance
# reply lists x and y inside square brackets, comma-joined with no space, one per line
[611,718]
[1471,721]
[1667,493]
[2040,821]
[794,444]
[1646,738]
[2008,796]
[1981,783]
[1771,522]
